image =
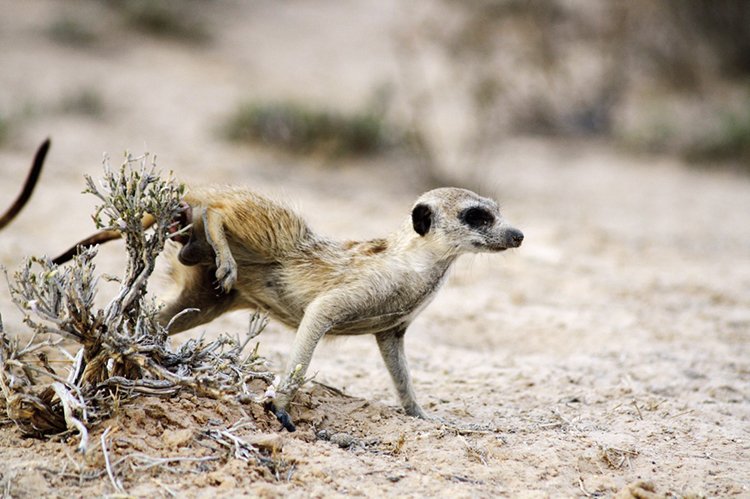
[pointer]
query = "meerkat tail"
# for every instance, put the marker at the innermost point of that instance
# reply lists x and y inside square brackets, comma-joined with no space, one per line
[28,186]
[100,237]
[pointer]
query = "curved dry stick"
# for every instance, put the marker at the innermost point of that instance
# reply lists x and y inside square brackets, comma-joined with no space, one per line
[28,186]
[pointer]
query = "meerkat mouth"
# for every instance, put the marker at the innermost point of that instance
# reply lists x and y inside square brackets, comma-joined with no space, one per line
[182,220]
[489,247]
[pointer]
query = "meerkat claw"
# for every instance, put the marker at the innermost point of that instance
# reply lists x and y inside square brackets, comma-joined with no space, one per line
[416,412]
[226,277]
[282,416]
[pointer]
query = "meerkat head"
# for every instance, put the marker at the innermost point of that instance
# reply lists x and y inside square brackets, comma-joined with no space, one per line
[462,221]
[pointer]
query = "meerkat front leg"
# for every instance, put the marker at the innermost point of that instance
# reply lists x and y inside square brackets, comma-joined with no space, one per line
[226,267]
[391,344]
[320,317]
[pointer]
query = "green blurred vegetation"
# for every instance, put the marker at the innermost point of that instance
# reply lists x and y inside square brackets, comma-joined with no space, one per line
[723,24]
[86,101]
[670,77]
[4,129]
[177,19]
[90,23]
[302,128]
[731,141]
[70,30]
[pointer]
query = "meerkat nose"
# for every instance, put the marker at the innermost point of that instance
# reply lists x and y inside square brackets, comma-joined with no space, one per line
[516,237]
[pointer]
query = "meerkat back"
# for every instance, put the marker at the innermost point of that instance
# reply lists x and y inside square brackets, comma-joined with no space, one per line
[262,230]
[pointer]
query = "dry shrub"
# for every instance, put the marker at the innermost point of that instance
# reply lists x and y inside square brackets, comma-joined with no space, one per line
[122,351]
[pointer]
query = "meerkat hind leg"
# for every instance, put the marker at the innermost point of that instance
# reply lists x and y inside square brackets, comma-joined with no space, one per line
[391,344]
[197,294]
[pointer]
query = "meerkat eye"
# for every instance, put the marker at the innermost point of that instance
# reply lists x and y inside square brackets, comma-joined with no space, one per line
[477,217]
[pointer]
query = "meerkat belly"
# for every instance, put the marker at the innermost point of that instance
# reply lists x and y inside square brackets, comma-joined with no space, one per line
[262,287]
[398,307]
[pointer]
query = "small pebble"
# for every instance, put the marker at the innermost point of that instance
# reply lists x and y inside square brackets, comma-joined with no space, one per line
[343,440]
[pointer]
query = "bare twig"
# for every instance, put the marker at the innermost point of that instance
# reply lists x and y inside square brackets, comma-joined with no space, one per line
[169,491]
[583,487]
[333,389]
[637,409]
[242,450]
[150,462]
[72,407]
[180,314]
[615,457]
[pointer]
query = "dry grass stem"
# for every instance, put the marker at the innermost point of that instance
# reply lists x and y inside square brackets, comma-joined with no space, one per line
[616,458]
[110,473]
[241,449]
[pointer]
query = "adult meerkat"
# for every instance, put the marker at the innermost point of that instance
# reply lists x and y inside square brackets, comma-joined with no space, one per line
[246,251]
[265,256]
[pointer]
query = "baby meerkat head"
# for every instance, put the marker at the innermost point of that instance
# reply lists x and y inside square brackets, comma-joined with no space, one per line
[462,221]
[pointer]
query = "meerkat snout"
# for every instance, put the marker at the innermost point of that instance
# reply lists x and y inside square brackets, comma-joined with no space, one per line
[516,237]
[512,238]
[499,239]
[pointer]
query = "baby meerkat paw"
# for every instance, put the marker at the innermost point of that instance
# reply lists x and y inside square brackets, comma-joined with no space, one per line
[282,416]
[226,275]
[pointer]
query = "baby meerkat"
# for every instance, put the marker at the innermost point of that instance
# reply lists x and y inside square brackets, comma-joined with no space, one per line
[265,256]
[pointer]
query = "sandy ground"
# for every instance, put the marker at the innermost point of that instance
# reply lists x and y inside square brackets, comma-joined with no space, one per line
[611,348]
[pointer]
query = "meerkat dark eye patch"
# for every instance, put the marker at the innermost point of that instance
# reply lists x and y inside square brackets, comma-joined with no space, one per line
[421,218]
[476,217]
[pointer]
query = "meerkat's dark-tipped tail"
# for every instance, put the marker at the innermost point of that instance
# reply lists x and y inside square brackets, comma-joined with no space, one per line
[28,186]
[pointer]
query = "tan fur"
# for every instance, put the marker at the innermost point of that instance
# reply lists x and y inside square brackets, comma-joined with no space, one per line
[246,251]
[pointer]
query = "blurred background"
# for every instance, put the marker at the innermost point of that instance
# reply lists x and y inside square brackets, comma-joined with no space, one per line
[435,86]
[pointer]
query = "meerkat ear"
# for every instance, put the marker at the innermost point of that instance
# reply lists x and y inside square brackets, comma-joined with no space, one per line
[421,218]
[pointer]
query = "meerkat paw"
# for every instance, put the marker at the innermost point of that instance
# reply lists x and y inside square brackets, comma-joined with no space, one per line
[432,418]
[226,275]
[282,416]
[416,411]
